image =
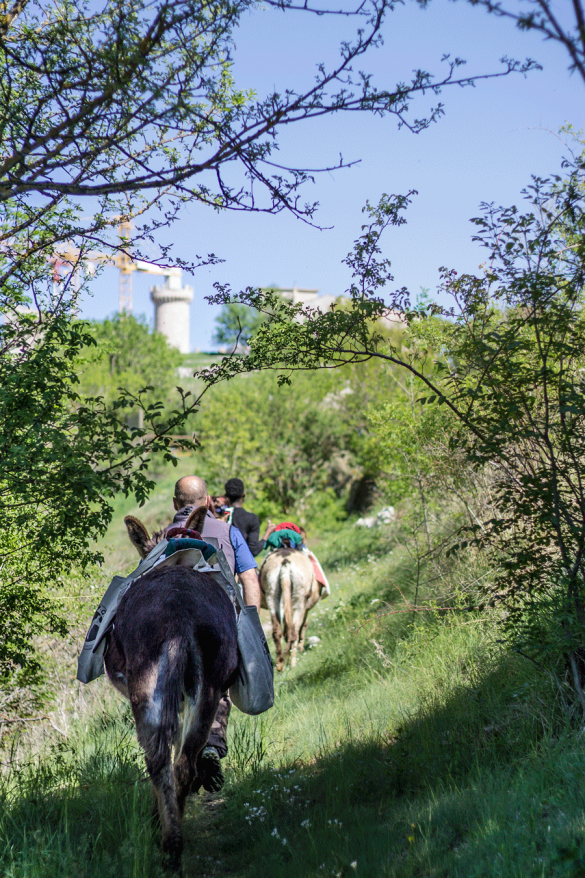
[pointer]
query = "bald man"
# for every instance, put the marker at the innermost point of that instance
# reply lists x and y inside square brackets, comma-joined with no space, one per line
[190,494]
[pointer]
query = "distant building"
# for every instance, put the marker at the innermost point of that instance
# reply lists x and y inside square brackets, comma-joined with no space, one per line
[172,310]
[391,319]
[306,297]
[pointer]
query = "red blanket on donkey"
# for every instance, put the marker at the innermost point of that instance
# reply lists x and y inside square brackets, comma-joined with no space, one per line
[320,575]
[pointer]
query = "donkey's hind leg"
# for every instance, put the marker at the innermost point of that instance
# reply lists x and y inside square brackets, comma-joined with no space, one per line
[277,637]
[292,649]
[156,743]
[197,727]
[292,641]
[170,816]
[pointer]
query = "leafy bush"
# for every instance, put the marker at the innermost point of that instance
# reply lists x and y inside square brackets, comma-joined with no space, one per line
[127,354]
[298,449]
[63,457]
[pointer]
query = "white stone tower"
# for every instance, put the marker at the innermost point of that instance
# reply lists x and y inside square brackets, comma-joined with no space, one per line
[171,310]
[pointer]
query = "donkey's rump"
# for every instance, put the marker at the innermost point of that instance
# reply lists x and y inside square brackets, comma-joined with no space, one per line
[176,604]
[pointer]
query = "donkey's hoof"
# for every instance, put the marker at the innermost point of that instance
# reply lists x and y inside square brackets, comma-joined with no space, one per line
[172,854]
[210,771]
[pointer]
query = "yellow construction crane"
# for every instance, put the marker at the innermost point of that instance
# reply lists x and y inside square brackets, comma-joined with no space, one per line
[122,260]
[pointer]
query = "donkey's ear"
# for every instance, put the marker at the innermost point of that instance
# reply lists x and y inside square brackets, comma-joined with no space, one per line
[196,519]
[138,534]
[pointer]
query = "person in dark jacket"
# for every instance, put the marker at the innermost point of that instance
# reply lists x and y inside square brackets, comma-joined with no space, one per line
[246,522]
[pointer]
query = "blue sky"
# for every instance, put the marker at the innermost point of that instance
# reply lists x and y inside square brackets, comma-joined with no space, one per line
[485,148]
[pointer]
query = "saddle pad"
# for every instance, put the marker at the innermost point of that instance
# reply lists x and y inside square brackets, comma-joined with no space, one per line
[320,575]
[187,557]
[177,545]
[90,662]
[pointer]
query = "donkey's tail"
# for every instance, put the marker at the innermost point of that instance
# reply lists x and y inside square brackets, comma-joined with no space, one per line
[286,592]
[178,677]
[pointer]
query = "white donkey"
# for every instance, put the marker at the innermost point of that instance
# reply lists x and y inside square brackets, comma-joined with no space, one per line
[290,589]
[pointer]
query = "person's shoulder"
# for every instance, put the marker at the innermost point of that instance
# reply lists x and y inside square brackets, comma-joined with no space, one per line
[251,516]
[243,518]
[244,558]
[236,536]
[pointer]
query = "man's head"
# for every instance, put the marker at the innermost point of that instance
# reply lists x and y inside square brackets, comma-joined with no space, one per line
[234,489]
[190,491]
[220,507]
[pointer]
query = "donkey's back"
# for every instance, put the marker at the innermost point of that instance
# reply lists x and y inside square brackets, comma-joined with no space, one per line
[173,653]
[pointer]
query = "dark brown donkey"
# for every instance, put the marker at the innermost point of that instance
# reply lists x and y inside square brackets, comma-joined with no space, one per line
[173,653]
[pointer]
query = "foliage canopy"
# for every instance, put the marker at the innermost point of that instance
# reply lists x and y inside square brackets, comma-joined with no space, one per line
[236,324]
[63,456]
[126,355]
[300,450]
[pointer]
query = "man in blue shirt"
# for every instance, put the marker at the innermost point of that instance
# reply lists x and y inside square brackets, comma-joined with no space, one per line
[190,494]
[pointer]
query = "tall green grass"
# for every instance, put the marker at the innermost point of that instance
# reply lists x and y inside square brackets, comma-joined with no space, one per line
[81,808]
[445,758]
[407,742]
[404,744]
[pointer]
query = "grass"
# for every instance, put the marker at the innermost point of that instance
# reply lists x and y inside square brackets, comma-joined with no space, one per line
[400,747]
[403,744]
[445,762]
[80,808]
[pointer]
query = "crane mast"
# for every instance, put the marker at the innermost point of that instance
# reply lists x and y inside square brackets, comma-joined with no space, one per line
[122,260]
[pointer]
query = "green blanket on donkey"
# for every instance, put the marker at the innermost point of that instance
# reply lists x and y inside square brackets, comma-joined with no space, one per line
[276,537]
